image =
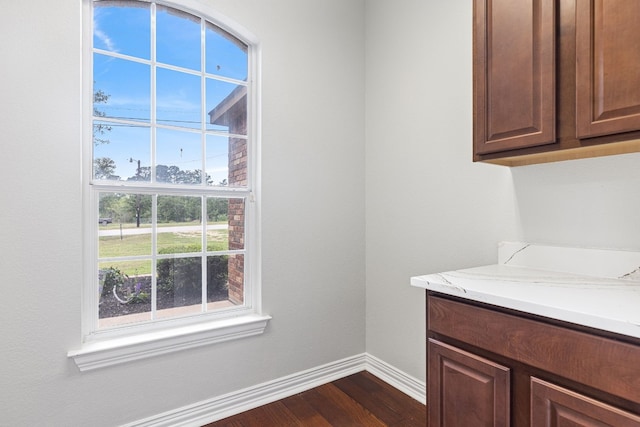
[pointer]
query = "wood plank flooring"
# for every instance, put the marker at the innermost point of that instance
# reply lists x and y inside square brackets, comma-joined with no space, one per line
[357,400]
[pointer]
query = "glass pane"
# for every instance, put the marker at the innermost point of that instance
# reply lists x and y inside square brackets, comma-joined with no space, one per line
[217,164]
[178,157]
[179,96]
[236,224]
[124,225]
[177,38]
[121,88]
[125,292]
[225,55]
[121,152]
[179,224]
[124,222]
[237,162]
[122,29]
[217,224]
[226,105]
[217,278]
[235,282]
[179,286]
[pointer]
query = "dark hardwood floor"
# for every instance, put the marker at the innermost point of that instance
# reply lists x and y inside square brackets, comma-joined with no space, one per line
[357,400]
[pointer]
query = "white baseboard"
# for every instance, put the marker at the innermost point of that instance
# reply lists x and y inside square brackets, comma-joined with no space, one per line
[398,379]
[220,407]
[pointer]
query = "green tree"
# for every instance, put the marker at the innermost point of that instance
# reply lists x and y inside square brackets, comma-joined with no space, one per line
[99,129]
[217,208]
[138,206]
[103,168]
[178,208]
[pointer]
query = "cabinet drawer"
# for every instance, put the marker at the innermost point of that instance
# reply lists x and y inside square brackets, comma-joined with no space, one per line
[605,364]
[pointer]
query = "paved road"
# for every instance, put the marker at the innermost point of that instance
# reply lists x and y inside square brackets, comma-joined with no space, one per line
[145,229]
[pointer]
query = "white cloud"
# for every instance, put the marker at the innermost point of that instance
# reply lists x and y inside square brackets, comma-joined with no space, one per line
[102,36]
[105,39]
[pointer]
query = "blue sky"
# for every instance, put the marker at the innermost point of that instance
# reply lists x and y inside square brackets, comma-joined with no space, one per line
[127,81]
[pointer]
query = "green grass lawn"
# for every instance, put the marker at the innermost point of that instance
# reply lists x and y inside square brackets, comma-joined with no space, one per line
[114,246]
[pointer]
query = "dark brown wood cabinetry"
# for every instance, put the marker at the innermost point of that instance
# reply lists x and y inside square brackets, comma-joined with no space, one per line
[489,366]
[552,405]
[607,67]
[514,60]
[471,390]
[555,79]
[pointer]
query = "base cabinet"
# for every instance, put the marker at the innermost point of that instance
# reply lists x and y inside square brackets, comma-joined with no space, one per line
[493,367]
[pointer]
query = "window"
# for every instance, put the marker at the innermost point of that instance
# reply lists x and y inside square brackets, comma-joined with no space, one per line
[170,154]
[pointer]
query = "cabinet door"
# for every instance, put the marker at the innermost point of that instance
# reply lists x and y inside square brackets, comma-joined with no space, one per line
[514,74]
[554,406]
[608,67]
[465,390]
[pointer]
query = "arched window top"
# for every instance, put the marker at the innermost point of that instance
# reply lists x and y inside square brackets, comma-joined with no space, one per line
[135,29]
[163,70]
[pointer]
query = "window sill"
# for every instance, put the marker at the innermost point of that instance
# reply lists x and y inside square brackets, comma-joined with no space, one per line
[111,352]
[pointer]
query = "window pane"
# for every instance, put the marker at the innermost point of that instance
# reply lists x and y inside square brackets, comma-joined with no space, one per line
[125,292]
[217,164]
[236,278]
[178,38]
[179,224]
[178,99]
[122,29]
[121,88]
[225,224]
[121,152]
[226,105]
[238,162]
[179,286]
[217,279]
[124,225]
[178,157]
[236,224]
[225,55]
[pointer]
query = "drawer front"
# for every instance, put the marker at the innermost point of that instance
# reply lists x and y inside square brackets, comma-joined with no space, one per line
[601,363]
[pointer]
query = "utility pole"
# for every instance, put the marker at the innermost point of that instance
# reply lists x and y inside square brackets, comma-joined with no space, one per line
[138,198]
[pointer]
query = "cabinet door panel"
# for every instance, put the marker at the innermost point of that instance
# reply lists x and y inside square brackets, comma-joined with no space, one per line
[514,74]
[466,390]
[554,406]
[608,67]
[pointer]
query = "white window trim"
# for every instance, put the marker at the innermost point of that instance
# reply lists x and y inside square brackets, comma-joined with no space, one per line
[101,354]
[107,348]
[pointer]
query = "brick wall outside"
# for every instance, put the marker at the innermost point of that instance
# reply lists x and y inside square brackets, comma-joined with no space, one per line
[232,112]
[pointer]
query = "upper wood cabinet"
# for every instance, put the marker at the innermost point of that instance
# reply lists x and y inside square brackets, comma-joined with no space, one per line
[555,79]
[608,67]
[514,59]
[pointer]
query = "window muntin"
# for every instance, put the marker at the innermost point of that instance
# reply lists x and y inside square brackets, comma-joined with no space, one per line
[170,239]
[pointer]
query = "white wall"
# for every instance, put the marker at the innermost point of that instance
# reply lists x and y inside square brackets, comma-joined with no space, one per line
[428,207]
[313,216]
[589,202]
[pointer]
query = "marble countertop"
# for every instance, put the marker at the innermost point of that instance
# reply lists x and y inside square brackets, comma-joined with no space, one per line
[591,287]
